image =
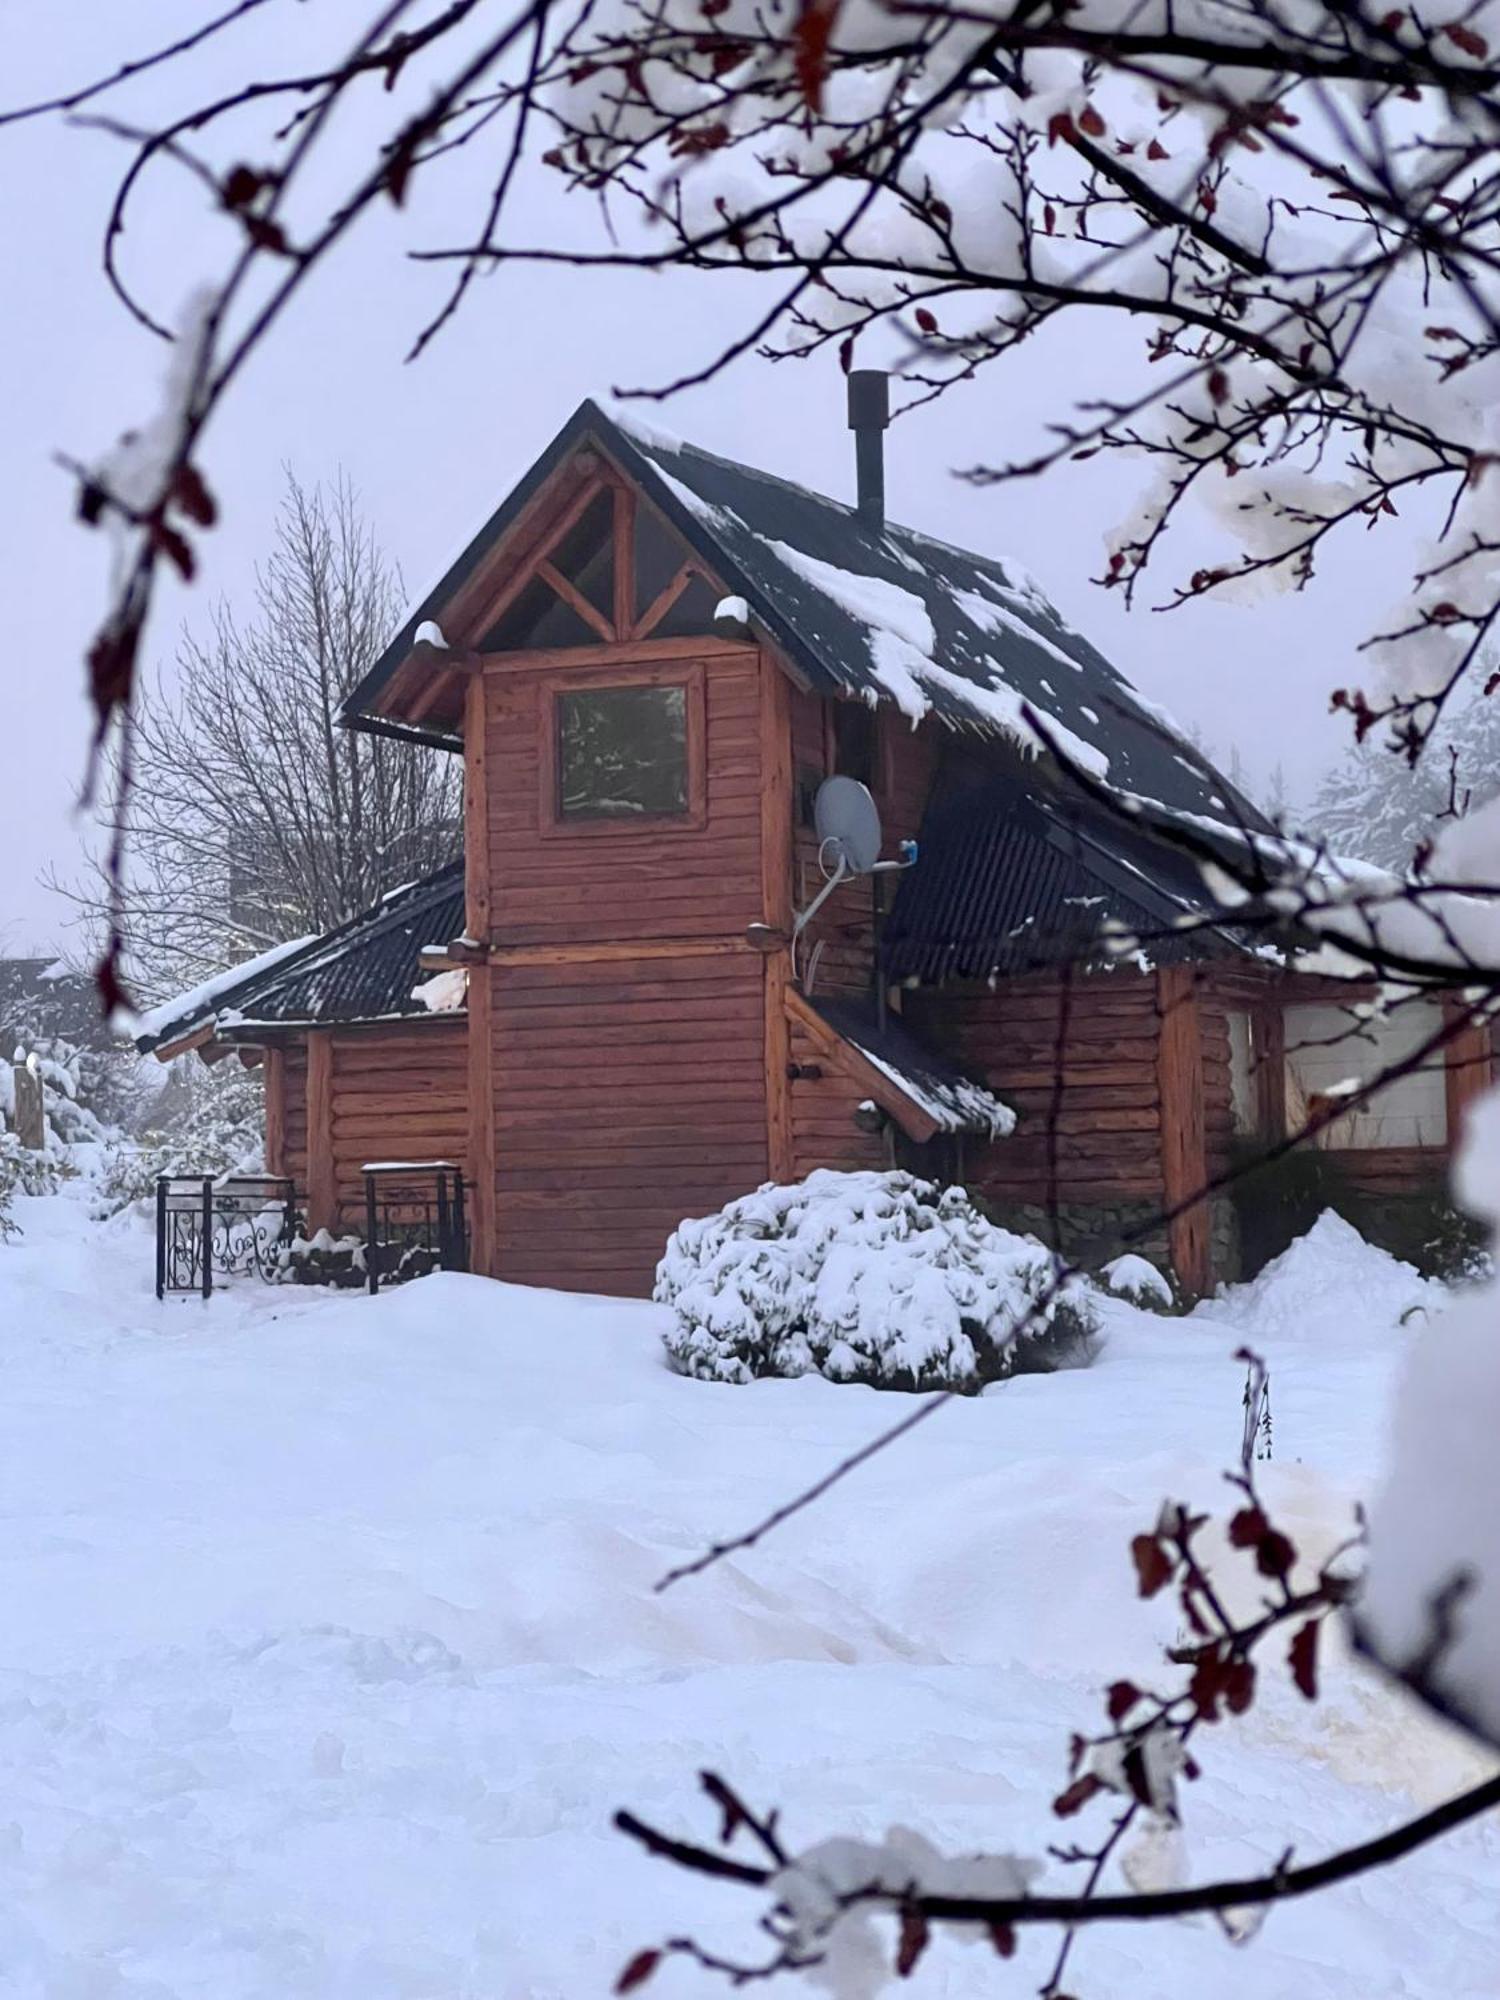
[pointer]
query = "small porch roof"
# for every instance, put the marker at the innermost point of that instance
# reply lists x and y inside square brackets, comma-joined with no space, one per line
[365,970]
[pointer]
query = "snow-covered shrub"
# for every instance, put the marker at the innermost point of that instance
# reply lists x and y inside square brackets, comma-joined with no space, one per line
[24,1171]
[865,1277]
[211,1122]
[1138,1281]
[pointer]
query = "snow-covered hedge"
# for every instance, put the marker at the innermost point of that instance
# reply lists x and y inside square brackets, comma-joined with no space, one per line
[865,1277]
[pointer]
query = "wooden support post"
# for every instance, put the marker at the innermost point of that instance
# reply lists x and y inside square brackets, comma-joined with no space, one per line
[1184,1154]
[776,909]
[477,915]
[1467,1069]
[322,1181]
[1268,1073]
[273,1074]
[482,1217]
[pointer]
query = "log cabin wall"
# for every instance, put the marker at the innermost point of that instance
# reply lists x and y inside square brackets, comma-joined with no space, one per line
[824,1101]
[1089,1051]
[294,1114]
[626,1061]
[395,1092]
[901,761]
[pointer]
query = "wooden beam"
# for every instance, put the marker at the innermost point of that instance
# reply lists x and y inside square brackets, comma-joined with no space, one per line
[477,614]
[477,910]
[776,863]
[618,653]
[481,1092]
[1268,1059]
[322,1173]
[662,603]
[613,953]
[1184,1154]
[624,551]
[185,1044]
[273,1070]
[574,598]
[1467,1065]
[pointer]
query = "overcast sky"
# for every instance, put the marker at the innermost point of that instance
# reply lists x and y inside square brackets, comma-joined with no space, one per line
[433,448]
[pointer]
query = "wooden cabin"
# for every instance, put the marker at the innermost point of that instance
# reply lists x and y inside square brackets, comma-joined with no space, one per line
[648,659]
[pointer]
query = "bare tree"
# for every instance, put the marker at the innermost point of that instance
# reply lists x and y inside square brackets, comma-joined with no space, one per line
[255,817]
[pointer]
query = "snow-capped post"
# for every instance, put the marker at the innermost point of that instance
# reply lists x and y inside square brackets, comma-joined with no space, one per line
[31,1110]
[869,414]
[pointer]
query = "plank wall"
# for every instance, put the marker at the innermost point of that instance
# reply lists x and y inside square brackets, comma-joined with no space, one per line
[824,1133]
[627,1094]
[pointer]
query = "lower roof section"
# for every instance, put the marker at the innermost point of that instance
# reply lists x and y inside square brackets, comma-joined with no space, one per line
[921,1090]
[366,970]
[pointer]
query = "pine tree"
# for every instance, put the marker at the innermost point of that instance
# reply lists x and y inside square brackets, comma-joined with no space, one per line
[1375,806]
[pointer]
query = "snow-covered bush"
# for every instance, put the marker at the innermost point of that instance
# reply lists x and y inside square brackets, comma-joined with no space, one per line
[24,1171]
[212,1121]
[865,1277]
[1138,1281]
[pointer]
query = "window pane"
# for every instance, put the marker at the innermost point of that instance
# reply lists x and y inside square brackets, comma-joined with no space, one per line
[692,615]
[658,557]
[586,555]
[537,619]
[622,752]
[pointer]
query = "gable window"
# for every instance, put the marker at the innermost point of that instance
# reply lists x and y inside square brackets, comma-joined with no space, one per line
[611,569]
[626,752]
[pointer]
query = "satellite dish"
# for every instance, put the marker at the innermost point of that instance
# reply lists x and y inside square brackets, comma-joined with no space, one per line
[848,824]
[848,828]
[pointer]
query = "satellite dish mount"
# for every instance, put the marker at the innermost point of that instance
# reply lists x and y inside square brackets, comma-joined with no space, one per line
[847,822]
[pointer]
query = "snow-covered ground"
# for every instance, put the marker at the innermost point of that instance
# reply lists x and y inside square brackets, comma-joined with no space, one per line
[330,1644]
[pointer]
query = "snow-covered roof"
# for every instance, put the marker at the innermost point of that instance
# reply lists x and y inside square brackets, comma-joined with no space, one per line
[940,1092]
[1012,882]
[366,970]
[884,612]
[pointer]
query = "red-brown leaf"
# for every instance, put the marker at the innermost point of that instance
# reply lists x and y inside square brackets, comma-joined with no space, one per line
[1246,1528]
[174,546]
[1089,121]
[1275,1554]
[1060,126]
[1157,151]
[1123,1696]
[1003,1938]
[1468,39]
[912,1942]
[1303,1659]
[1239,1685]
[1077,1795]
[926,320]
[810,39]
[638,1971]
[1153,1566]
[193,496]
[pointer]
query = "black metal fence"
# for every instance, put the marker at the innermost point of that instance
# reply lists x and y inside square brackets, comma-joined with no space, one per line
[232,1225]
[241,1225]
[414,1220]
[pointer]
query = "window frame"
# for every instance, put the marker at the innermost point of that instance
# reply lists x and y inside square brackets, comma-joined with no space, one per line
[685,674]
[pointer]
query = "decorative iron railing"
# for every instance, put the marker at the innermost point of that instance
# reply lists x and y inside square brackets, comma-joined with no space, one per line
[249,1225]
[414,1220]
[232,1225]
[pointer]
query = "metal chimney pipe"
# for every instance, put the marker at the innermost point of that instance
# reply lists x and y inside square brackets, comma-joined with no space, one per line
[869,414]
